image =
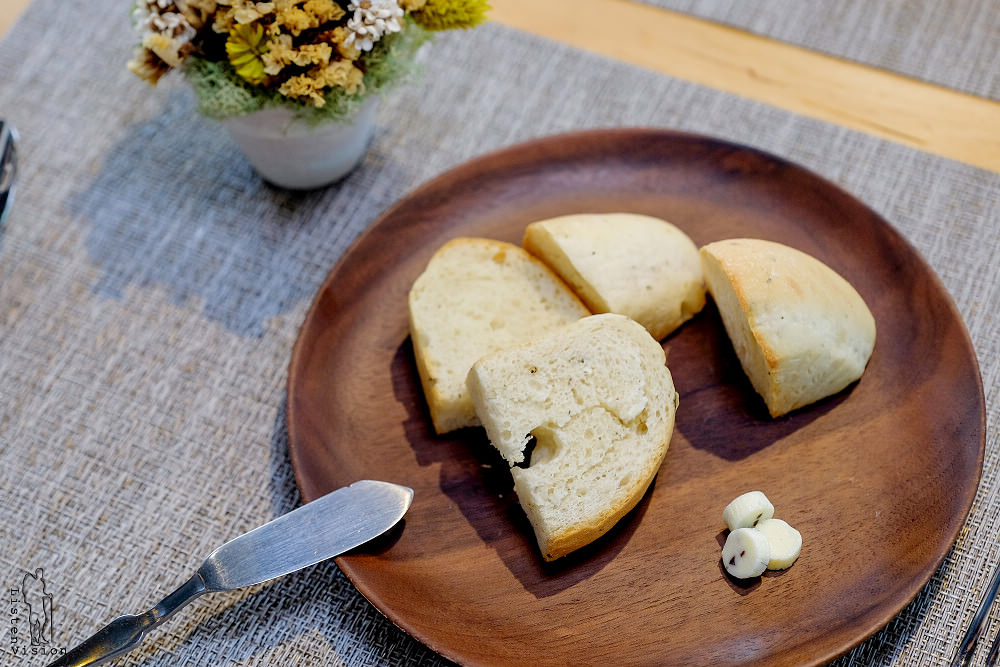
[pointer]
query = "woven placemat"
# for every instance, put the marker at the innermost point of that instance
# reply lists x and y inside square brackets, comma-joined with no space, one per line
[152,288]
[954,44]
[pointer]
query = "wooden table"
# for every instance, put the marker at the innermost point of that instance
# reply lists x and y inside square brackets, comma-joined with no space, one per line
[924,116]
[9,11]
[152,290]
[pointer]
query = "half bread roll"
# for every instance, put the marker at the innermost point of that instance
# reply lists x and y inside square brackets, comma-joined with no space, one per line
[625,263]
[800,330]
[599,403]
[477,296]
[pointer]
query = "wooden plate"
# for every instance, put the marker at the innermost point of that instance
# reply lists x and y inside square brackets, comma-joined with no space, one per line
[878,479]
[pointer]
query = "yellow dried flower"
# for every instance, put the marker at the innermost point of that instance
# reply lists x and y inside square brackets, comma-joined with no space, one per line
[307,50]
[280,52]
[313,54]
[147,66]
[303,86]
[451,14]
[312,14]
[338,36]
[165,47]
[324,10]
[197,12]
[341,74]
[295,20]
[248,12]
[239,11]
[245,48]
[223,21]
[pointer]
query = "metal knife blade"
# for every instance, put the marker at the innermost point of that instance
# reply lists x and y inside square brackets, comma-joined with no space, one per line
[8,167]
[326,527]
[321,529]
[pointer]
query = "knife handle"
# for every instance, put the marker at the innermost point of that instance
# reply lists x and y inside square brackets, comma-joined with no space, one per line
[125,632]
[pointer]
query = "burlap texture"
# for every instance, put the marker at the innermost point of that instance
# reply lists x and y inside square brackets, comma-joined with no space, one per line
[953,44]
[152,288]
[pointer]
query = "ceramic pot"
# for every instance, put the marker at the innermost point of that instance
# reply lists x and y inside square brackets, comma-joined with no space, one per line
[293,154]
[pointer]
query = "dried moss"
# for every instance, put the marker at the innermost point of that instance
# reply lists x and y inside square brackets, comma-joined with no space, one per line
[223,94]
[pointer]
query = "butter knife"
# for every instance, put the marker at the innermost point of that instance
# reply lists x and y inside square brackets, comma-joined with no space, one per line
[8,167]
[321,529]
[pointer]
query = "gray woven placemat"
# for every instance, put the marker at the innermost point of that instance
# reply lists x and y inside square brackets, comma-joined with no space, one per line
[955,44]
[151,290]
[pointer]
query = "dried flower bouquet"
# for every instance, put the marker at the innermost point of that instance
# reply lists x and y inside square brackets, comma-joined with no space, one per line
[319,56]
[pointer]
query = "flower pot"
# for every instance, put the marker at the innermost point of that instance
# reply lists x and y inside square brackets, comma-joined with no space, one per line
[294,154]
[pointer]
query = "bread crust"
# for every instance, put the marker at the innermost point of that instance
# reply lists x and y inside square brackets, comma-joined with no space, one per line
[600,402]
[572,537]
[800,330]
[626,263]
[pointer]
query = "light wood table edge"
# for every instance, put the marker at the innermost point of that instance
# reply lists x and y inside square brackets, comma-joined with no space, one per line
[931,118]
[10,11]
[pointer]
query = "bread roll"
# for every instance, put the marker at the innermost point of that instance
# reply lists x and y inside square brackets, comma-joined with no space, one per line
[477,296]
[800,330]
[599,402]
[634,265]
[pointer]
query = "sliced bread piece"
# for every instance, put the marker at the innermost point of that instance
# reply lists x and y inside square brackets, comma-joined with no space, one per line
[598,401]
[477,296]
[634,265]
[800,330]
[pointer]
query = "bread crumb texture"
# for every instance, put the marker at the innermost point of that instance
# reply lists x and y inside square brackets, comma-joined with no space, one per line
[477,296]
[599,403]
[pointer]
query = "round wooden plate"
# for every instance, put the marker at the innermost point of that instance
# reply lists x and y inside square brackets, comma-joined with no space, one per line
[878,479]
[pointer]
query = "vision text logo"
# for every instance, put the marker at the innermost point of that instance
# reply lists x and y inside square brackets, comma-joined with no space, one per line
[31,618]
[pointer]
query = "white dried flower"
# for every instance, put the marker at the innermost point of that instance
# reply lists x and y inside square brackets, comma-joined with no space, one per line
[372,19]
[148,18]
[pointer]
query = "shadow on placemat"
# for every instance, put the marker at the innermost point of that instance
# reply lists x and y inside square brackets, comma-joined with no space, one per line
[319,600]
[176,205]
